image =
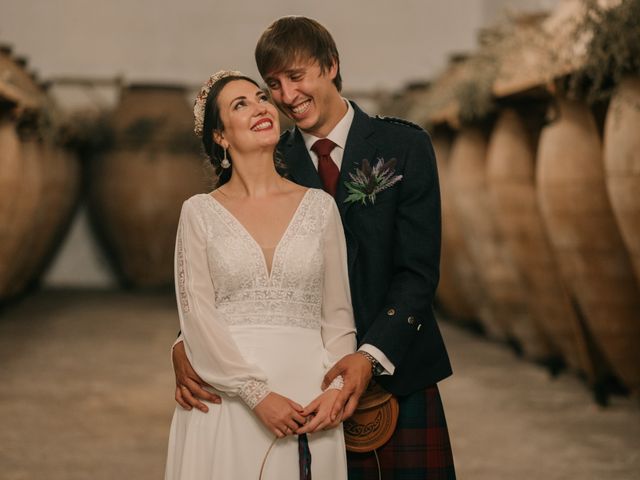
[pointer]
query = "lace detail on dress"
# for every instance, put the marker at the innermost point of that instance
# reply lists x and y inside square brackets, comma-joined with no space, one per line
[337,383]
[244,290]
[253,392]
[184,300]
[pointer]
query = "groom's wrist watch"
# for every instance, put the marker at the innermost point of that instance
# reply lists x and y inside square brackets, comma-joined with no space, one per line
[376,368]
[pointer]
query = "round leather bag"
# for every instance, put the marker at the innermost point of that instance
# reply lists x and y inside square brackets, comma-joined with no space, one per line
[373,422]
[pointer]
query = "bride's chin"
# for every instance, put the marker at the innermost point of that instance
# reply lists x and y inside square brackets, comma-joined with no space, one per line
[272,141]
[268,147]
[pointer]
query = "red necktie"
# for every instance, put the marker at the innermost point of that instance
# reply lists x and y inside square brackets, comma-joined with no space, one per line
[327,169]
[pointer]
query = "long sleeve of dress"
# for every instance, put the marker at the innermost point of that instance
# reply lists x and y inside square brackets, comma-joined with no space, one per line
[337,324]
[208,342]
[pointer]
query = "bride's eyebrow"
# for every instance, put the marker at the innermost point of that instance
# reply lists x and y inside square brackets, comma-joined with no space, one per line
[237,98]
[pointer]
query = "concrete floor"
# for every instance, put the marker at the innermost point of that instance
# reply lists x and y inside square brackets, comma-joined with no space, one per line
[86,392]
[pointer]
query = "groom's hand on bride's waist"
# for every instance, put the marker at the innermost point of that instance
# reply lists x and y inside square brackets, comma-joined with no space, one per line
[189,386]
[356,372]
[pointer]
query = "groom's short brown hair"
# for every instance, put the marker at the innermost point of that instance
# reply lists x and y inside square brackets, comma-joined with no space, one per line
[290,38]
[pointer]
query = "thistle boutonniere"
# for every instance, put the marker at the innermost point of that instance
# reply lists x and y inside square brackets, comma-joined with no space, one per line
[368,181]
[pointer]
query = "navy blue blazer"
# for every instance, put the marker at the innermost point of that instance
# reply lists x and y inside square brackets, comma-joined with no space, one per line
[393,246]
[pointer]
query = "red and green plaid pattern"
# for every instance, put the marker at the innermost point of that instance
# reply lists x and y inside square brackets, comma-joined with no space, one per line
[418,450]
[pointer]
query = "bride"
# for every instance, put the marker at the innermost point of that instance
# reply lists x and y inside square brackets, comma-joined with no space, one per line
[264,304]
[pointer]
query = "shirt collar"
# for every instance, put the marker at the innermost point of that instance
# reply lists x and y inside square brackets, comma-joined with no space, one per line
[339,133]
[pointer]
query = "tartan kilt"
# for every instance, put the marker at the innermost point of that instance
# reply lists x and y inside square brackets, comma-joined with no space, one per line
[419,448]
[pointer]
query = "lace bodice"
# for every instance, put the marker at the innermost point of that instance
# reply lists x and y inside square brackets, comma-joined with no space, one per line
[222,280]
[245,290]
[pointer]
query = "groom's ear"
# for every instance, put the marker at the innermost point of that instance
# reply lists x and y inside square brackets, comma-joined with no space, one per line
[333,69]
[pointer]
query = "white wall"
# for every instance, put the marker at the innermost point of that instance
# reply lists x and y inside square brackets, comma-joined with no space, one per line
[382,43]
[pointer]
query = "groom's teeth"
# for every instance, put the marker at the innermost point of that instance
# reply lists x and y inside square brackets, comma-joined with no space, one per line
[302,107]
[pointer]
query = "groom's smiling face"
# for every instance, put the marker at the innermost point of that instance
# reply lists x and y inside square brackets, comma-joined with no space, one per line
[307,95]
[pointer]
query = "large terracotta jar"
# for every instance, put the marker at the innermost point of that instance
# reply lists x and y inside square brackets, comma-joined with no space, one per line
[56,195]
[39,190]
[511,181]
[581,225]
[38,180]
[622,163]
[507,313]
[137,189]
[18,184]
[459,290]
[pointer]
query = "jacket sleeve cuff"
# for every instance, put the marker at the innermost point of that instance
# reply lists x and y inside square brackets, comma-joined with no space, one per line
[393,331]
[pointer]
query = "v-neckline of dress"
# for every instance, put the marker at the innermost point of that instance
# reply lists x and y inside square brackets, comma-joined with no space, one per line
[243,230]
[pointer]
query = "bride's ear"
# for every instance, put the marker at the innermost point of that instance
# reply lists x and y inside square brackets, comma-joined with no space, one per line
[219,139]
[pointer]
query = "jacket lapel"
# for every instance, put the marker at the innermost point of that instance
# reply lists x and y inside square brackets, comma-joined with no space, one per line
[299,164]
[358,147]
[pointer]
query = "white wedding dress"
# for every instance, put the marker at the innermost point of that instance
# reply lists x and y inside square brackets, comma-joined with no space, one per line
[249,330]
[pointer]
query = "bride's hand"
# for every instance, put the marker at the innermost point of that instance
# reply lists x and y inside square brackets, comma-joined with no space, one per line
[280,415]
[320,410]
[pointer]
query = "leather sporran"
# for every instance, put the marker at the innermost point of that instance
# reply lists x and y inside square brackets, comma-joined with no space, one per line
[373,422]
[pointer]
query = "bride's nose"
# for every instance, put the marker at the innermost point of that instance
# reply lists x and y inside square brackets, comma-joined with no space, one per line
[261,109]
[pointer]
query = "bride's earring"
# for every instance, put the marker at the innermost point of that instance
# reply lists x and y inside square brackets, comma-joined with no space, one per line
[225,163]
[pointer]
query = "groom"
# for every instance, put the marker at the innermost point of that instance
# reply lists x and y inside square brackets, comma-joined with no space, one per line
[393,245]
